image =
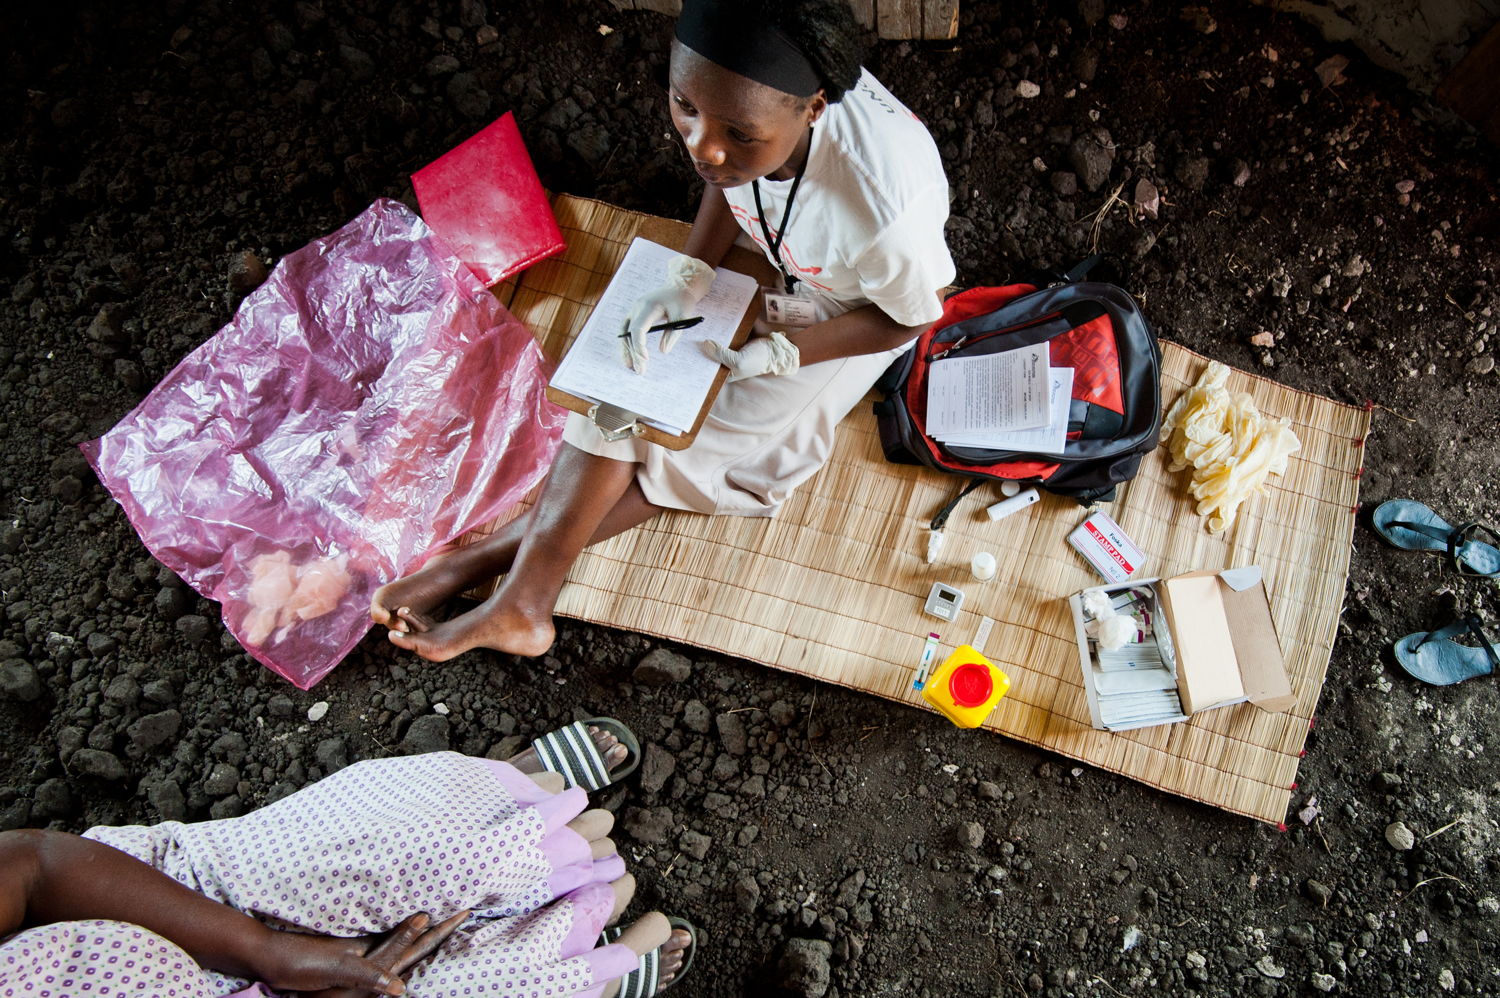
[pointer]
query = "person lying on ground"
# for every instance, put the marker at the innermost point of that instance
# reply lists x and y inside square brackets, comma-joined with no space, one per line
[806,155]
[417,876]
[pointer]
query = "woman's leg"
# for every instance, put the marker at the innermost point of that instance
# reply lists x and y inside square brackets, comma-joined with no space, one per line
[585,496]
[449,573]
[653,931]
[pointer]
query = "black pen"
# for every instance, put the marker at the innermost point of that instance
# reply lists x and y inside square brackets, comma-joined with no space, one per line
[675,324]
[664,326]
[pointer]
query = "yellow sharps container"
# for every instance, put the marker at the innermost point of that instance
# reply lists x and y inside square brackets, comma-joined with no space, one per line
[966,687]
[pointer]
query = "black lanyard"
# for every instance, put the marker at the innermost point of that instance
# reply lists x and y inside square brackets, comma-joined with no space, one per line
[788,280]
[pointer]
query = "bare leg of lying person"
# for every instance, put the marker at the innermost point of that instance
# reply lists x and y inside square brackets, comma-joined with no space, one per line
[586,499]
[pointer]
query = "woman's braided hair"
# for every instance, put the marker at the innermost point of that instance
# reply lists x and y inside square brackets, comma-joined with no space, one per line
[826,32]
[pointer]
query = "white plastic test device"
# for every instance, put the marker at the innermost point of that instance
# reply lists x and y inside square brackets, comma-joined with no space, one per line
[943,602]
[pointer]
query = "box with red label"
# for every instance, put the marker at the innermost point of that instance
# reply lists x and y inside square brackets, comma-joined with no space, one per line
[1104,545]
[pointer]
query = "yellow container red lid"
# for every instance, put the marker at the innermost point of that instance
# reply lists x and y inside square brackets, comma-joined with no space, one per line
[966,687]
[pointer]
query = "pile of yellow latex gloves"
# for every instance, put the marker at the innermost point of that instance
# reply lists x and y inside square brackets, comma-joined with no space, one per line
[1228,443]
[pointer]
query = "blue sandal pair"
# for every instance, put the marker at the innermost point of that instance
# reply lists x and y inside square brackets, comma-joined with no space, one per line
[1436,657]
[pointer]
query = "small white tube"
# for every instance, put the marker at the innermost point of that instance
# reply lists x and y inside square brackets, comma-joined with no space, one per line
[1009,488]
[1019,501]
[982,566]
[934,545]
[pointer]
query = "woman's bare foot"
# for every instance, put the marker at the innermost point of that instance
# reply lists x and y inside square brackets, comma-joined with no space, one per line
[653,931]
[496,623]
[418,594]
[609,747]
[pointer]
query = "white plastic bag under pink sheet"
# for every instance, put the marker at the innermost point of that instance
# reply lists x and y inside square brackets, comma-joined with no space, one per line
[370,402]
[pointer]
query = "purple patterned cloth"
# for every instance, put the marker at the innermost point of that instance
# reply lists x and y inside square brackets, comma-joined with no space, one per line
[99,957]
[364,848]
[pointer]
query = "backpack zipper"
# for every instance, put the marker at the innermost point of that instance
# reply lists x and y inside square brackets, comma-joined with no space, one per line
[967,340]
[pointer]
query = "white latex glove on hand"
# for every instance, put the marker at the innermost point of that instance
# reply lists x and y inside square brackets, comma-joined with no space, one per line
[688,280]
[773,354]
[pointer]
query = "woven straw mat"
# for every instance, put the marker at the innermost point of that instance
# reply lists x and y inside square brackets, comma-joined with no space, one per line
[833,586]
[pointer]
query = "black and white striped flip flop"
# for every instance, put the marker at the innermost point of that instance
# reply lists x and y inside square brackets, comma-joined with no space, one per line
[570,752]
[641,982]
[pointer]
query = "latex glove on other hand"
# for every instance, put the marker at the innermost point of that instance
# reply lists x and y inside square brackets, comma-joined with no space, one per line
[769,354]
[688,280]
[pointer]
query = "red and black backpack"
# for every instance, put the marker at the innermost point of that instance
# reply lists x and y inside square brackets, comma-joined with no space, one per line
[1096,329]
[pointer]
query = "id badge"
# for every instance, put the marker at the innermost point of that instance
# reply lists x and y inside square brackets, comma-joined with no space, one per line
[789,311]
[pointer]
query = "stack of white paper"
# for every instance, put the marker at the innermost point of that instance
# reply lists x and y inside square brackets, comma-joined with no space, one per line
[1013,400]
[670,394]
[1140,708]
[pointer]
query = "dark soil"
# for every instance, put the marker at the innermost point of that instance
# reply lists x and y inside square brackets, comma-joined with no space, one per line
[816,835]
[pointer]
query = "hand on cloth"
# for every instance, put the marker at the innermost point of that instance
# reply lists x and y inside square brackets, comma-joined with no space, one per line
[688,280]
[768,353]
[329,967]
[48,876]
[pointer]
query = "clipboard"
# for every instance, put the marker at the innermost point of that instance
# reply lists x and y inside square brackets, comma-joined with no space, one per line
[616,423]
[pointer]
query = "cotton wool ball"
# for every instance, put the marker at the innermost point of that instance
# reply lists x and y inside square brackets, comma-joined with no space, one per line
[1115,632]
[1097,605]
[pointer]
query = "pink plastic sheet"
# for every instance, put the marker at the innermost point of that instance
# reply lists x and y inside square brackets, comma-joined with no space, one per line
[367,404]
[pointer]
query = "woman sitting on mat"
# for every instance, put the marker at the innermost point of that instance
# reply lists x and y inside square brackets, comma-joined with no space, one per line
[804,153]
[436,875]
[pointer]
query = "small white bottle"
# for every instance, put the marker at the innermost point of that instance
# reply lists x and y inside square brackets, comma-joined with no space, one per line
[982,566]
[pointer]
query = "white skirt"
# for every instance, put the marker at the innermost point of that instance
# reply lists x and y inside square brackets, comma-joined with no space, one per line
[763,437]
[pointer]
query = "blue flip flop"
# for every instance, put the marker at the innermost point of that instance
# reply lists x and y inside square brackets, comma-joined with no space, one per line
[1414,527]
[1434,657]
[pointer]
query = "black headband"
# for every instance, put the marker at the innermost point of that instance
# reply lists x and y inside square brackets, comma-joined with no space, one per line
[726,33]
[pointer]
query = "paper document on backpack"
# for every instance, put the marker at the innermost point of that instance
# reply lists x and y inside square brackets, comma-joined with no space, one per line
[1049,439]
[999,391]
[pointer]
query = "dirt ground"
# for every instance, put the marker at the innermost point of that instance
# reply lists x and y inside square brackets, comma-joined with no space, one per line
[1328,229]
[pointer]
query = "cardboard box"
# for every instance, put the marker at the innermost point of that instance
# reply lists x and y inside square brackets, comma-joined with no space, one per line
[1216,638]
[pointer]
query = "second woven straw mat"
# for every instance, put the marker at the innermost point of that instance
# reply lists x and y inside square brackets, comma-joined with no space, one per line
[833,586]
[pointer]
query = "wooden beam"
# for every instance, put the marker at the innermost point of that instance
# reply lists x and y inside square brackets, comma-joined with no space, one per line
[892,19]
[898,18]
[864,12]
[669,7]
[1473,88]
[939,19]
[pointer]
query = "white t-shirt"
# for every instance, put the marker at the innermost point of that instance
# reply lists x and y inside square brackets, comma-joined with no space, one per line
[867,221]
